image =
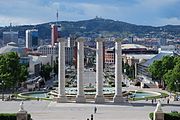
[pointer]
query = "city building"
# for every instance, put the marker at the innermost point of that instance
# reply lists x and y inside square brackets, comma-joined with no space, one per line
[133,51]
[110,56]
[13,47]
[34,66]
[48,49]
[71,41]
[69,53]
[10,37]
[32,41]
[55,33]
[53,51]
[162,41]
[167,48]
[142,68]
[130,39]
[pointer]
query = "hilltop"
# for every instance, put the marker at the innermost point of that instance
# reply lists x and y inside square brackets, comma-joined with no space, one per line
[96,26]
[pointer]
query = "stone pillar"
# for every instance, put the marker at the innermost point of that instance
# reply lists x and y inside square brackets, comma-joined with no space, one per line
[158,113]
[80,98]
[61,72]
[118,98]
[21,114]
[99,98]
[135,66]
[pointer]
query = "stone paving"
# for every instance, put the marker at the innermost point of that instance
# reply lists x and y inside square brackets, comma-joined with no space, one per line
[47,110]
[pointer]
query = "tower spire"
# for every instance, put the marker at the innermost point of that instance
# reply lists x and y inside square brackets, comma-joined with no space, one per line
[57,16]
[10,27]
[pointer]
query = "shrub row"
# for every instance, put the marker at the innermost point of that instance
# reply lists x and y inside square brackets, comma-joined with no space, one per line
[10,116]
[168,116]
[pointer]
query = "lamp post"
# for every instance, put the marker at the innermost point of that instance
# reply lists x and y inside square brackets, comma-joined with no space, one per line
[176,86]
[2,85]
[125,80]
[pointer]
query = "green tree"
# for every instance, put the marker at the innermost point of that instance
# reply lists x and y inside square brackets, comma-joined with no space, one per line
[23,74]
[167,70]
[45,71]
[156,69]
[11,71]
[129,70]
[172,78]
[167,63]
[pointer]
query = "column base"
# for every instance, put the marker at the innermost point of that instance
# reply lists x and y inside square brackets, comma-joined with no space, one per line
[99,99]
[118,99]
[61,99]
[80,99]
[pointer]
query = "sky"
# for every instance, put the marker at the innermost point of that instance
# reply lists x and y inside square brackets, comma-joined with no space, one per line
[140,12]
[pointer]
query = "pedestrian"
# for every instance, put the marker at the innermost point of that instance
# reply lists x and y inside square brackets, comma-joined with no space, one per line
[152,101]
[168,101]
[95,109]
[91,116]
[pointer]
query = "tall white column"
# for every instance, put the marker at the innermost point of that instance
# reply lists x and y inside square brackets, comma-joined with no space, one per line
[118,98]
[99,98]
[61,72]
[80,98]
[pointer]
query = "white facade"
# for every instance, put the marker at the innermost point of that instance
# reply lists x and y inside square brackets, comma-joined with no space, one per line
[37,61]
[71,41]
[53,50]
[32,39]
[167,48]
[34,65]
[48,49]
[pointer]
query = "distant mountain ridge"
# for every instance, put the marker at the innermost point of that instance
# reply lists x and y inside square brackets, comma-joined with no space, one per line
[94,27]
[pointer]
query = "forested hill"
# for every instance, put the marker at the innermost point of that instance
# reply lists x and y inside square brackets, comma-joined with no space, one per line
[94,27]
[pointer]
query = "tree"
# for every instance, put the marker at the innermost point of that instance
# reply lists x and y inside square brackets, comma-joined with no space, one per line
[129,70]
[45,71]
[11,71]
[23,74]
[172,78]
[167,70]
[156,69]
[167,63]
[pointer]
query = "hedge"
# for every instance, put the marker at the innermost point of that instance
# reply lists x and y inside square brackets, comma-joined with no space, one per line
[168,116]
[10,116]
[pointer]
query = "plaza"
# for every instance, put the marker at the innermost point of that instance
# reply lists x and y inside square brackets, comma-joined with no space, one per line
[48,110]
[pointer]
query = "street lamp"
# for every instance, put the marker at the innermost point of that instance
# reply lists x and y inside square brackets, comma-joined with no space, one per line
[177,85]
[2,85]
[125,80]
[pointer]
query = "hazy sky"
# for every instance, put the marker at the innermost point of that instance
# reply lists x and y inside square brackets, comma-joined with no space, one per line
[141,12]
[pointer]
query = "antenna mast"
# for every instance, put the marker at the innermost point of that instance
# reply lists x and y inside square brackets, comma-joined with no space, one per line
[57,15]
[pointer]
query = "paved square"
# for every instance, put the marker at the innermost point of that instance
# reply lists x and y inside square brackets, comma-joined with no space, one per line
[47,110]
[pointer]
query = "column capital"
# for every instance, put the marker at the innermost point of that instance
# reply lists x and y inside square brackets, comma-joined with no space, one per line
[118,40]
[61,40]
[80,39]
[100,39]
